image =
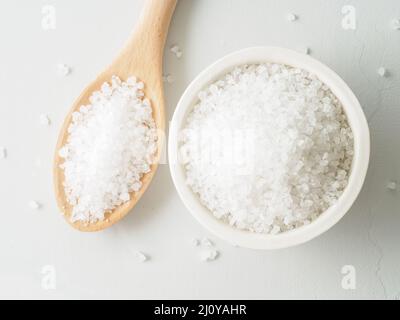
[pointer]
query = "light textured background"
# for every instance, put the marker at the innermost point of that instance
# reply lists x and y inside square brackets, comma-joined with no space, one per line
[88,35]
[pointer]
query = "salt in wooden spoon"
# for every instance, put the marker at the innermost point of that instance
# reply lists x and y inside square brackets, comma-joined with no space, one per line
[142,57]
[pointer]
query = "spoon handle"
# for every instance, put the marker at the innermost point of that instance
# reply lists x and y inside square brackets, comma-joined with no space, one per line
[146,46]
[155,19]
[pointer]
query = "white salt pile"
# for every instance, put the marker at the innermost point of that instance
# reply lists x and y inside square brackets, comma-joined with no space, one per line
[111,145]
[267,148]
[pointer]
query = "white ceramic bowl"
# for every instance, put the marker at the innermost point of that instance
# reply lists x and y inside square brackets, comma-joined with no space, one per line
[356,120]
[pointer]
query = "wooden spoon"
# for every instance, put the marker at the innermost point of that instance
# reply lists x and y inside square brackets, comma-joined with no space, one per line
[142,57]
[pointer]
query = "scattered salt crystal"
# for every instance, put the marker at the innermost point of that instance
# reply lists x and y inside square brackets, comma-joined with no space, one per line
[140,85]
[34,205]
[275,230]
[131,81]
[44,120]
[209,255]
[286,161]
[3,153]
[177,51]
[195,242]
[306,50]
[141,256]
[168,78]
[291,17]
[38,162]
[63,70]
[392,185]
[382,72]
[207,242]
[111,145]
[396,24]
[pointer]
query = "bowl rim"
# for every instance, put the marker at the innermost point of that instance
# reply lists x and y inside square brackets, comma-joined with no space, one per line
[356,119]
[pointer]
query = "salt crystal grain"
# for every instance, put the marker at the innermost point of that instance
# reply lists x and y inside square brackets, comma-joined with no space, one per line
[34,205]
[286,161]
[141,256]
[291,17]
[168,78]
[44,120]
[63,70]
[140,85]
[105,90]
[382,72]
[306,50]
[131,81]
[392,185]
[195,242]
[209,255]
[396,24]
[3,153]
[206,242]
[111,144]
[38,162]
[275,230]
[177,51]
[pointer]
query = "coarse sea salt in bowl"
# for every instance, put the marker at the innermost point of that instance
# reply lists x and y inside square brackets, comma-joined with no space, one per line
[355,120]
